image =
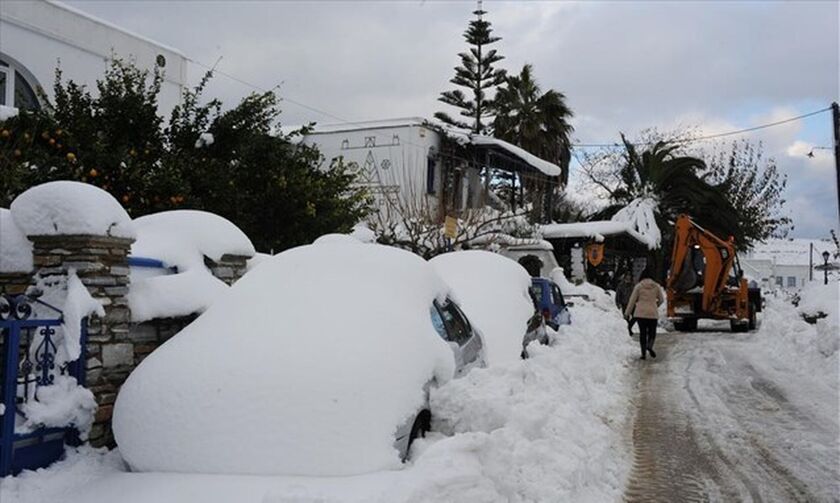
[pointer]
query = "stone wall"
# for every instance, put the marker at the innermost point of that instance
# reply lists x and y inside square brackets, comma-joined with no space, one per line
[14,283]
[101,264]
[229,268]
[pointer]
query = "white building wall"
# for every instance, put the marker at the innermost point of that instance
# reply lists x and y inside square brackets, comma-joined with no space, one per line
[391,157]
[37,34]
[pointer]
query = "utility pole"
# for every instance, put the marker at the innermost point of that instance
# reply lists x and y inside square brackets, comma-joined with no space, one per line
[835,114]
[811,264]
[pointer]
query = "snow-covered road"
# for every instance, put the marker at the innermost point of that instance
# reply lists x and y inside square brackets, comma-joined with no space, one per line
[718,419]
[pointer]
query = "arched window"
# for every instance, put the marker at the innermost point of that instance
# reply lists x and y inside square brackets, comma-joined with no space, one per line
[17,85]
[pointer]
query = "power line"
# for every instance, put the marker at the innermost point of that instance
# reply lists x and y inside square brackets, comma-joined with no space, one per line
[712,136]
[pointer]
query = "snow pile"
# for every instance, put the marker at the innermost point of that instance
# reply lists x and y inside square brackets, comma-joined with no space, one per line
[549,428]
[15,249]
[182,238]
[818,300]
[80,467]
[66,207]
[62,403]
[307,367]
[493,292]
[640,215]
[204,140]
[815,348]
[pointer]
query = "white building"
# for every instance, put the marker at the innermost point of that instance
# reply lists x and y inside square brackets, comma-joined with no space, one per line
[37,35]
[406,160]
[785,263]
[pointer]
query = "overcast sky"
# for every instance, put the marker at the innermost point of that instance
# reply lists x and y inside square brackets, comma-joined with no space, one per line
[624,66]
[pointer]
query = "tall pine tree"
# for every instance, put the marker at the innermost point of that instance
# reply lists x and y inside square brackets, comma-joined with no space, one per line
[477,74]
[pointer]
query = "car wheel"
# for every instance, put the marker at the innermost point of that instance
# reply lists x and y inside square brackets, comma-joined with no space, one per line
[422,424]
[753,322]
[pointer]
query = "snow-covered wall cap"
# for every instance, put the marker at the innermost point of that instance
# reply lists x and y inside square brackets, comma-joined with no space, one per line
[542,165]
[175,236]
[66,208]
[7,112]
[597,230]
[15,249]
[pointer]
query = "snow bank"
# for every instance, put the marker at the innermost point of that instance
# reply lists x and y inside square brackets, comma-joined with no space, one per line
[63,403]
[814,348]
[15,249]
[182,239]
[640,215]
[817,299]
[493,292]
[307,367]
[66,207]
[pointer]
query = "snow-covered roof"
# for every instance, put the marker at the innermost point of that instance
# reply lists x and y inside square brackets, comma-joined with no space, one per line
[597,230]
[791,251]
[640,215]
[542,165]
[362,125]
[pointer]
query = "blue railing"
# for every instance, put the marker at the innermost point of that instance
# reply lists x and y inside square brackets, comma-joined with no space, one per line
[151,263]
[23,372]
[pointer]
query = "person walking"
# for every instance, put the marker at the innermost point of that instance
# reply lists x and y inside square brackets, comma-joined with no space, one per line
[644,307]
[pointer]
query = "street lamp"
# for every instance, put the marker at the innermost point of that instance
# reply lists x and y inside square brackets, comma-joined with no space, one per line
[826,255]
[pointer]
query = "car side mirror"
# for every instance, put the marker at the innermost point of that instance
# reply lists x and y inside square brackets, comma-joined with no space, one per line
[570,304]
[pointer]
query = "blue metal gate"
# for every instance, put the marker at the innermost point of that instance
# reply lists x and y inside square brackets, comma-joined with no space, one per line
[24,369]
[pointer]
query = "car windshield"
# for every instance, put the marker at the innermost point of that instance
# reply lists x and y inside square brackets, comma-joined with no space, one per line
[538,290]
[457,328]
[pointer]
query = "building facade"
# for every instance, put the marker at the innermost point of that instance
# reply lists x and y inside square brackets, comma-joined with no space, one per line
[37,36]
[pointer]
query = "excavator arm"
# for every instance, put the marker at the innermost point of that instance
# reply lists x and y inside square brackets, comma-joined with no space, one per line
[718,255]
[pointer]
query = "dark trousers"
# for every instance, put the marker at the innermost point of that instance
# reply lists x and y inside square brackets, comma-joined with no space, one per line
[647,333]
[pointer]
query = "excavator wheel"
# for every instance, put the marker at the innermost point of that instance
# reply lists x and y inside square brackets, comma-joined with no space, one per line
[686,325]
[752,323]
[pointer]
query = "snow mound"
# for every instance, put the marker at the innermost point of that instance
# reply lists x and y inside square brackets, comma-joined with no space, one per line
[640,215]
[67,207]
[182,239]
[306,367]
[493,292]
[550,428]
[15,249]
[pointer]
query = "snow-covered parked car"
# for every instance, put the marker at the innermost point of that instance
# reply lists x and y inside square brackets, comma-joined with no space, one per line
[550,302]
[494,292]
[317,362]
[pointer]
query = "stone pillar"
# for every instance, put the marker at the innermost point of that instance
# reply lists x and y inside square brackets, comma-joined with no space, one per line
[101,263]
[14,283]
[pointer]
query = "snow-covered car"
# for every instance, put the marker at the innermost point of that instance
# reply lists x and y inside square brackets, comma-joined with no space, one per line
[494,292]
[311,364]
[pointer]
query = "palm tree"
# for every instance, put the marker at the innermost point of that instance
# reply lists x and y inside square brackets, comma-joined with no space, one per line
[533,120]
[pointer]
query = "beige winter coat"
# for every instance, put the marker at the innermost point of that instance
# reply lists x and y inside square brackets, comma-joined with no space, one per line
[645,300]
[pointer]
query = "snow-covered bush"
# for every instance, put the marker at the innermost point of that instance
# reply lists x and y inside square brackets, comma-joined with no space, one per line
[307,365]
